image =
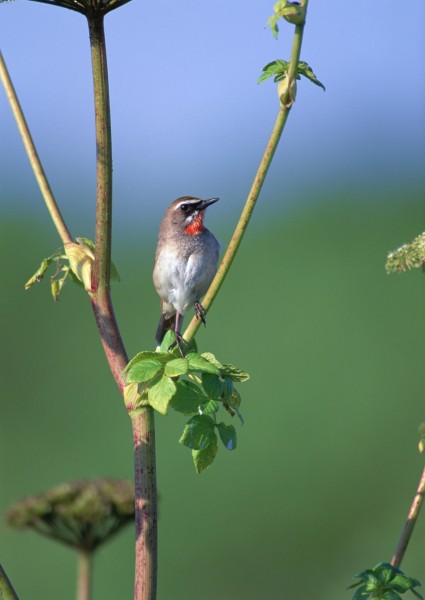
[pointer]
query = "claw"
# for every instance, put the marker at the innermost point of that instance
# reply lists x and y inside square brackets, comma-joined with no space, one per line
[179,341]
[200,312]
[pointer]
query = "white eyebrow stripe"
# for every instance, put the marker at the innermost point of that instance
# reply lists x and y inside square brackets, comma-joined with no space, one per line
[194,201]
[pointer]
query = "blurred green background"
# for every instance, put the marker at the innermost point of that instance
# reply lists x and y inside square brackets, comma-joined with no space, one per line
[327,462]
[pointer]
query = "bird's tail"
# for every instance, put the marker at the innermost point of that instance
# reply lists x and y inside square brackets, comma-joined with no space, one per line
[165,323]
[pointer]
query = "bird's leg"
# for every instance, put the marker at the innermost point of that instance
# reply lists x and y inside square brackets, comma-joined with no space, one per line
[200,312]
[179,339]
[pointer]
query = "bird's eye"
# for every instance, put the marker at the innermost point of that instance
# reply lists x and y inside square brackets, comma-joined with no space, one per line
[184,207]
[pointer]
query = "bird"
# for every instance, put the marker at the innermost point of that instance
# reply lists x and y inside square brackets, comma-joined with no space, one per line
[186,260]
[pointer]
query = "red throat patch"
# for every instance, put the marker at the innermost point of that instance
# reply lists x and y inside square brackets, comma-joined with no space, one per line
[196,226]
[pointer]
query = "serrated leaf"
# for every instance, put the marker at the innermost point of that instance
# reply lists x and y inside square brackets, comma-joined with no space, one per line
[307,71]
[187,398]
[198,432]
[234,373]
[204,457]
[276,67]
[209,408]
[160,394]
[212,385]
[227,435]
[209,356]
[144,370]
[360,593]
[199,363]
[176,367]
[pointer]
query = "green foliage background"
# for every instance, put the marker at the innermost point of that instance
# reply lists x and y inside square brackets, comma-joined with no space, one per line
[327,462]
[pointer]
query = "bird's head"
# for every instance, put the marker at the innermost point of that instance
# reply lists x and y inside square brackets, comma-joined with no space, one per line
[187,213]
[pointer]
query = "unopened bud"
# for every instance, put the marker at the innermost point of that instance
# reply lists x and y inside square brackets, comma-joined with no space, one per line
[287,97]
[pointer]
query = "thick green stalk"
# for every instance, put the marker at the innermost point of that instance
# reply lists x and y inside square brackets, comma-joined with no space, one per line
[33,157]
[84,575]
[143,424]
[286,101]
[6,589]
[409,526]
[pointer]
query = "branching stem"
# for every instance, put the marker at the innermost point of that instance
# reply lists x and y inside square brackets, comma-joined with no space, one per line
[33,157]
[286,102]
[409,526]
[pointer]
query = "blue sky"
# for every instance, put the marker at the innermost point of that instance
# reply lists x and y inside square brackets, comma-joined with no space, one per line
[188,116]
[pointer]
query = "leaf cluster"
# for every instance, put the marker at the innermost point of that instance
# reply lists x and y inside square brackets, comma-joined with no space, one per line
[279,70]
[293,12]
[75,260]
[198,386]
[408,256]
[384,582]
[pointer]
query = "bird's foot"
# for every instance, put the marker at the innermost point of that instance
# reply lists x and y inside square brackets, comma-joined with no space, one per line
[200,312]
[179,342]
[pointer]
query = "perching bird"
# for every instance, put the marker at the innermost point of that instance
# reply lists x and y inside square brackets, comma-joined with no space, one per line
[185,264]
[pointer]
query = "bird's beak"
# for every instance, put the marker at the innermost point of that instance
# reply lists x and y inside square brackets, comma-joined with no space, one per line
[205,203]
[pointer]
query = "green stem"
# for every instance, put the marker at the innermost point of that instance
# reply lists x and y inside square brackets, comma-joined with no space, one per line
[143,425]
[103,237]
[286,101]
[6,589]
[84,575]
[33,157]
[409,526]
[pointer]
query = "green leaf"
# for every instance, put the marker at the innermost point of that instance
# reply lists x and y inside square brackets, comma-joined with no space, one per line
[307,71]
[212,385]
[232,403]
[209,408]
[160,394]
[277,67]
[162,357]
[204,457]
[46,262]
[176,367]
[227,435]
[198,432]
[199,363]
[209,356]
[234,373]
[144,370]
[187,398]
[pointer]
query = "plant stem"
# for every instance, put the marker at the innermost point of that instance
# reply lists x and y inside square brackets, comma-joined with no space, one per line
[33,157]
[6,589]
[143,424]
[146,504]
[103,237]
[412,517]
[286,102]
[84,575]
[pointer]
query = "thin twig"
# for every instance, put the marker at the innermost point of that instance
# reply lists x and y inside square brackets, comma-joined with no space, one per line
[409,526]
[286,102]
[6,589]
[33,157]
